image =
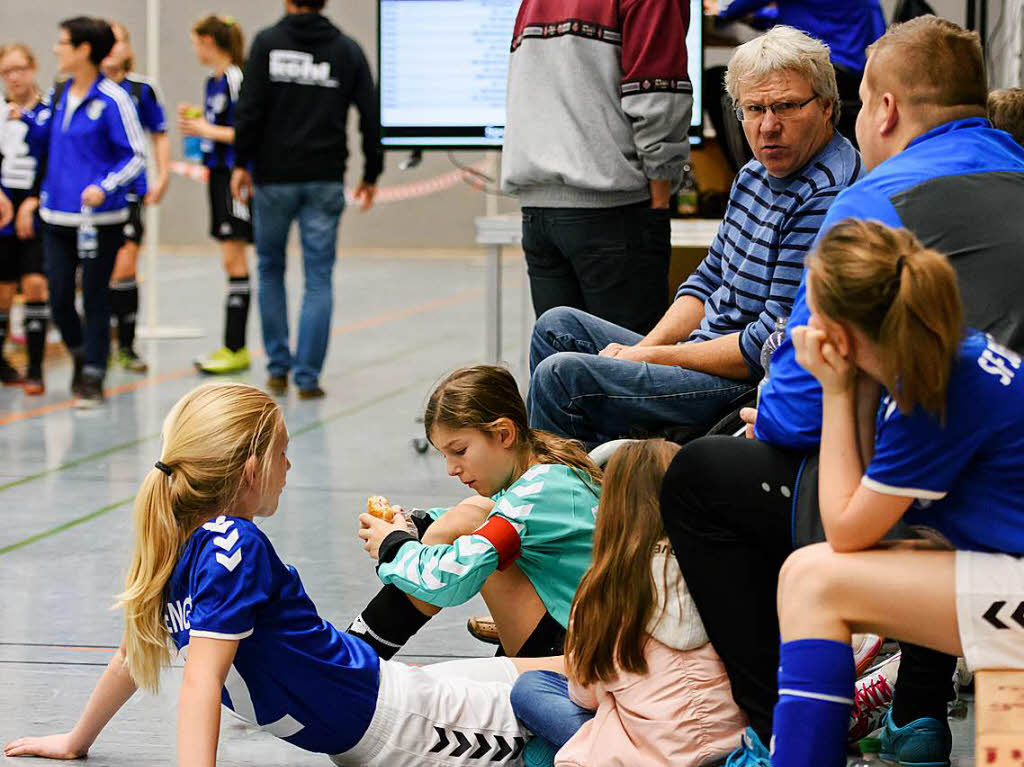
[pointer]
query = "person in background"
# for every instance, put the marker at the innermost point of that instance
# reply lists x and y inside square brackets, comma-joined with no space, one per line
[219,44]
[23,137]
[291,146]
[847,27]
[595,153]
[1006,111]
[96,151]
[124,288]
[595,381]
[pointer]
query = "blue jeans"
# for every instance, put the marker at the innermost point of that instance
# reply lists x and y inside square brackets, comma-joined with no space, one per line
[541,701]
[317,205]
[577,394]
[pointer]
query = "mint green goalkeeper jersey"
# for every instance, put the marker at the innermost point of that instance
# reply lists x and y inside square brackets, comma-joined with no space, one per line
[551,508]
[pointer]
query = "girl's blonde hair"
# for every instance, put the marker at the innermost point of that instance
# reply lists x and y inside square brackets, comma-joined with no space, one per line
[226,35]
[21,48]
[209,437]
[617,596]
[902,295]
[477,397]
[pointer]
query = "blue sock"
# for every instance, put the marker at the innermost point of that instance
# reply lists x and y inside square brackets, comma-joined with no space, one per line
[816,678]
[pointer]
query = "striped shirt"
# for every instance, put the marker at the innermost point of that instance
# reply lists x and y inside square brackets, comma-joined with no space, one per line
[753,267]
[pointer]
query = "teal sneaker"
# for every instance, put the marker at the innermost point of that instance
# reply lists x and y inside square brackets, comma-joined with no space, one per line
[925,742]
[751,753]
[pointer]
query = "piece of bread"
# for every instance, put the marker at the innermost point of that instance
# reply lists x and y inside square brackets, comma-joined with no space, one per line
[380,507]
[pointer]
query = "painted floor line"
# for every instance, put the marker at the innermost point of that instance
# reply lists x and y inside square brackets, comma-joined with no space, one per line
[149,437]
[345,412]
[370,322]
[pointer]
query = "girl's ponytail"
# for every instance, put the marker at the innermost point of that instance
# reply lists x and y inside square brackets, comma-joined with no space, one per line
[158,539]
[209,436]
[903,296]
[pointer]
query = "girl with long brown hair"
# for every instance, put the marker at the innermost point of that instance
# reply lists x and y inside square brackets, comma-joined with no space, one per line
[219,45]
[523,541]
[644,685]
[205,578]
[945,454]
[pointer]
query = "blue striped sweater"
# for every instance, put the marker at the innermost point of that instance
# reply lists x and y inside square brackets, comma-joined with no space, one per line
[753,267]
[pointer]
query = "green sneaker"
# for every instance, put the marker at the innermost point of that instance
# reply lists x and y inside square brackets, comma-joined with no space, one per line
[224,361]
[129,360]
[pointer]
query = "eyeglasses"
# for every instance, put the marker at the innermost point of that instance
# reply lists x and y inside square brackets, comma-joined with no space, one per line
[13,70]
[781,109]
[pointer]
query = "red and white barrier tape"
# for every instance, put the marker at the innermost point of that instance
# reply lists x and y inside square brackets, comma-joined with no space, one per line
[385,195]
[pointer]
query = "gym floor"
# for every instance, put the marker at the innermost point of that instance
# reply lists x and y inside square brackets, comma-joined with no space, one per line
[67,479]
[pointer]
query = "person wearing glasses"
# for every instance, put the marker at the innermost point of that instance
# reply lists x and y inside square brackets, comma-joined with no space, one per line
[595,381]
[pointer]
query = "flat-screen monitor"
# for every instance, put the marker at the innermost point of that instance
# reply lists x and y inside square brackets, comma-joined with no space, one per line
[443,68]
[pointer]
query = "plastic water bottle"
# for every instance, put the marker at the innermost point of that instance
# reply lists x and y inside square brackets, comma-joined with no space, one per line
[870,748]
[192,146]
[88,238]
[771,343]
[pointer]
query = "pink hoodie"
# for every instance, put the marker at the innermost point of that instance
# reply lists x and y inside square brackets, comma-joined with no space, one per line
[679,714]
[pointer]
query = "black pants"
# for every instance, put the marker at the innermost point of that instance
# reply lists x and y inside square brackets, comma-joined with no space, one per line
[727,506]
[60,246]
[610,262]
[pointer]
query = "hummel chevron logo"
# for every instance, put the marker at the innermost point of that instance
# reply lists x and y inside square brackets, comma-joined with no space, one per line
[503,750]
[219,525]
[230,563]
[227,543]
[992,615]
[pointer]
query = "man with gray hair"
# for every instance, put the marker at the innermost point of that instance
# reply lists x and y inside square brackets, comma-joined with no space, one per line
[595,381]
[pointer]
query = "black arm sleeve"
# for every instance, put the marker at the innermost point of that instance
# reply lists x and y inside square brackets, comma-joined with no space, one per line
[368,104]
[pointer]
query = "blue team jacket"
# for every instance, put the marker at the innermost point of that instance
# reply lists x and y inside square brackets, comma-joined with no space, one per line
[103,144]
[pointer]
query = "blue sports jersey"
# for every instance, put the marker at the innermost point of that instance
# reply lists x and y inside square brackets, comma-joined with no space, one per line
[934,188]
[848,27]
[100,144]
[294,674]
[22,149]
[967,475]
[144,95]
[221,96]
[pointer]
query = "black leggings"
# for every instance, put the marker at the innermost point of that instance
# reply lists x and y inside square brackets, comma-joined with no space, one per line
[727,505]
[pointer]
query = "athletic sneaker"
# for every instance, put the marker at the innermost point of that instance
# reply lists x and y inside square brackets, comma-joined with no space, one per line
[224,361]
[90,394]
[129,360]
[8,375]
[865,649]
[277,385]
[484,628]
[925,742]
[751,753]
[33,387]
[872,698]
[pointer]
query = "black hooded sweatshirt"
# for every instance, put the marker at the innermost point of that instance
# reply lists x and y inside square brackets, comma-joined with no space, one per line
[302,75]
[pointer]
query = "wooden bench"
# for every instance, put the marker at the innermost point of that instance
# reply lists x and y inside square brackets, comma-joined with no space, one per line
[999,704]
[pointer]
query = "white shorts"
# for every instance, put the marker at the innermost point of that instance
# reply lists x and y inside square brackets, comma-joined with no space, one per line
[990,609]
[456,713]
